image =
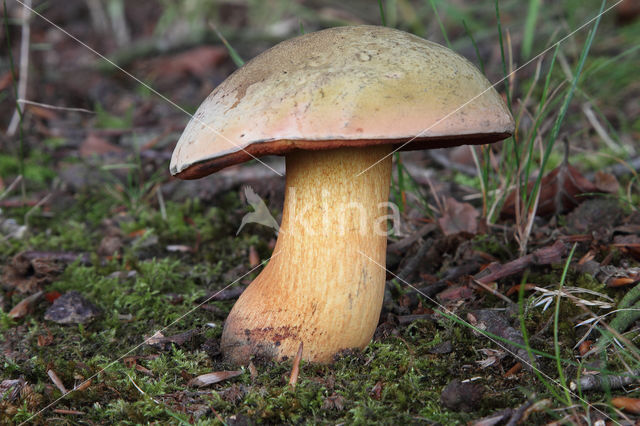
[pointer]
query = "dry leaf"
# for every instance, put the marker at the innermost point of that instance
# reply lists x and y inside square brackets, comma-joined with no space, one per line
[95,145]
[458,217]
[24,306]
[632,405]
[606,182]
[564,179]
[197,62]
[211,378]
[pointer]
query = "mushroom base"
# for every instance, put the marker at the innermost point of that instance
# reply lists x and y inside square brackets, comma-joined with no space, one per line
[324,283]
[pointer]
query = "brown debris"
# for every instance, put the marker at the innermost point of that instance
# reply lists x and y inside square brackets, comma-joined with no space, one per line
[559,192]
[56,381]
[598,382]
[496,323]
[610,275]
[458,217]
[212,378]
[159,341]
[632,405]
[254,258]
[295,370]
[606,182]
[598,215]
[25,306]
[197,62]
[462,396]
[333,402]
[542,256]
[628,244]
[27,274]
[95,145]
[376,391]
[226,294]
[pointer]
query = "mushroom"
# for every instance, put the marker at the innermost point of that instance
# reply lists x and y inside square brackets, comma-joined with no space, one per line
[335,103]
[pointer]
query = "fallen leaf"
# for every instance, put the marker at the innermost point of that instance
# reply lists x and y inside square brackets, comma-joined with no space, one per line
[333,402]
[212,378]
[95,145]
[198,62]
[631,405]
[585,347]
[56,381]
[24,306]
[458,217]
[559,191]
[455,293]
[606,182]
[27,274]
[159,341]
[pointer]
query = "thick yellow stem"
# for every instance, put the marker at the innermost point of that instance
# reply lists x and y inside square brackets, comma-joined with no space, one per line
[324,283]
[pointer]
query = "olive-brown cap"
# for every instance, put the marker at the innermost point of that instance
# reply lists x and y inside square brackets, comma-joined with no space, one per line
[344,86]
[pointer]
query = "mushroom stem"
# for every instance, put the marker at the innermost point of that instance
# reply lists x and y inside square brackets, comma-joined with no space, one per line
[322,285]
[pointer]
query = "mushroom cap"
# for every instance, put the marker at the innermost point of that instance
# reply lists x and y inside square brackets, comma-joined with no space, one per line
[344,86]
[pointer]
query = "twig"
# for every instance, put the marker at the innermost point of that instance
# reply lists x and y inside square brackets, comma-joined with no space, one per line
[494,292]
[596,382]
[68,412]
[140,390]
[57,108]
[295,371]
[11,187]
[24,66]
[542,256]
[593,120]
[28,214]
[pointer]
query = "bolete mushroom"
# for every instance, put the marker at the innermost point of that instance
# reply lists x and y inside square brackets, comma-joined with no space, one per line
[335,103]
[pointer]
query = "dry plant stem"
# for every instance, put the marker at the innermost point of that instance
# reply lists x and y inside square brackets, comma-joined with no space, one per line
[24,66]
[320,289]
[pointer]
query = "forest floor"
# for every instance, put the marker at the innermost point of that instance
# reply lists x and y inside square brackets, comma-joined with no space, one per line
[116,279]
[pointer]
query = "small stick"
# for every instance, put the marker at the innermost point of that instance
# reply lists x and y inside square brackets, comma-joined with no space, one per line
[596,382]
[293,380]
[63,411]
[542,256]
[57,108]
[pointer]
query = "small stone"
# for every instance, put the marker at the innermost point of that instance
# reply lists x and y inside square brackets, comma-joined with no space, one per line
[441,348]
[71,308]
[461,396]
